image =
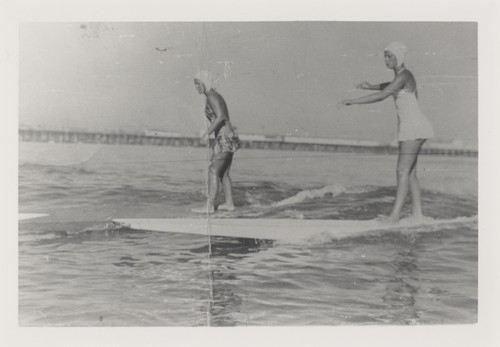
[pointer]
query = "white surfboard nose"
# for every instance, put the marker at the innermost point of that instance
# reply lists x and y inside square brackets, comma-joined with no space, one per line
[24,216]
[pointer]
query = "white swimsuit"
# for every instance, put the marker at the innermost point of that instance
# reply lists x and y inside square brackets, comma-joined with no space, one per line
[412,123]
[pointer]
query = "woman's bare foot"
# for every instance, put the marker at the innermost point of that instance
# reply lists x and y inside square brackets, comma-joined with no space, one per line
[206,209]
[389,220]
[418,218]
[225,207]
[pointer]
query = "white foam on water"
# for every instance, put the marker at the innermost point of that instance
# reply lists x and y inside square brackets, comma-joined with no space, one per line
[332,189]
[406,226]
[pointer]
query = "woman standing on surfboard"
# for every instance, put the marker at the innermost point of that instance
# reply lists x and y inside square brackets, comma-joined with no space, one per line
[413,127]
[226,142]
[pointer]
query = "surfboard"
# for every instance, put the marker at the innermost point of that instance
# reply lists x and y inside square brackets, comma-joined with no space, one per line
[278,229]
[24,216]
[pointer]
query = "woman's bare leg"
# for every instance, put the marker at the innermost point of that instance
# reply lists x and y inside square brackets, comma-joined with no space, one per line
[407,159]
[215,172]
[228,188]
[415,193]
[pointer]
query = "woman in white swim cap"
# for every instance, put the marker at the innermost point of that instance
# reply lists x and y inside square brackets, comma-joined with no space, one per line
[413,127]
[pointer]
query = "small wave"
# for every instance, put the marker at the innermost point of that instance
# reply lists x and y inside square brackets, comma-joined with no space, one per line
[56,169]
[70,232]
[98,231]
[333,190]
[101,227]
[407,229]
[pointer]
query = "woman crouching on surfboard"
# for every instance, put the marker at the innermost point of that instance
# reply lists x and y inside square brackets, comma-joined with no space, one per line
[222,148]
[413,127]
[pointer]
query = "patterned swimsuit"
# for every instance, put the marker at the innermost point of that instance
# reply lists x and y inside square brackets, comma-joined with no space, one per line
[226,137]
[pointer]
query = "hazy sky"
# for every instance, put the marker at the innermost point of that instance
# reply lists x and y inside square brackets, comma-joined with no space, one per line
[276,77]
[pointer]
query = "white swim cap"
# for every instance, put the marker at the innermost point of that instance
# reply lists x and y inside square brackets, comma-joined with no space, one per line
[399,50]
[207,78]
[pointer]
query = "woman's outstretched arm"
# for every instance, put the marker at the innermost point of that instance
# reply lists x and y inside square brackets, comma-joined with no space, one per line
[395,86]
[369,86]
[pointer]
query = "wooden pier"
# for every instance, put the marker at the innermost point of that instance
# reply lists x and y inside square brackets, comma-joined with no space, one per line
[280,143]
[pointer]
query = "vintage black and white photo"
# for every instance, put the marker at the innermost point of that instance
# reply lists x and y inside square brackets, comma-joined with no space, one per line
[296,173]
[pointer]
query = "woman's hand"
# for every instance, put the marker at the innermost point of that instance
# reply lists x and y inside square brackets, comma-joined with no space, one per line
[343,103]
[364,85]
[204,138]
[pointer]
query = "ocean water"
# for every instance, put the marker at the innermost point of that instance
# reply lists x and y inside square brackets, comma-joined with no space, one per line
[78,269]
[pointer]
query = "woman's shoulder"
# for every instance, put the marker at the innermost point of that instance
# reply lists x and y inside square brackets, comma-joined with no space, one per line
[407,74]
[213,96]
[405,78]
[411,81]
